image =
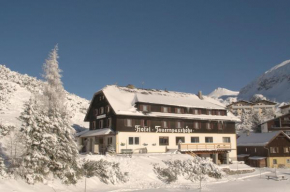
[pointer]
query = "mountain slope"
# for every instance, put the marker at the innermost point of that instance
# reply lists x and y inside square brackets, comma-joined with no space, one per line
[16,89]
[274,84]
[224,95]
[219,92]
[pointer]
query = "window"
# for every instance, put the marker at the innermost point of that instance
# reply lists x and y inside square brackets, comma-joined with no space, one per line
[274,161]
[165,109]
[109,122]
[274,150]
[218,112]
[196,111]
[208,125]
[226,139]
[209,112]
[96,112]
[108,109]
[128,122]
[288,161]
[165,124]
[179,140]
[145,122]
[101,124]
[133,140]
[255,150]
[196,125]
[208,139]
[286,150]
[145,108]
[110,140]
[178,124]
[101,110]
[178,110]
[220,125]
[163,140]
[246,149]
[93,125]
[286,118]
[194,139]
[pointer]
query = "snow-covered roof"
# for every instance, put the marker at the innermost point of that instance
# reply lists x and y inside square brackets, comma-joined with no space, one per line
[92,133]
[123,100]
[256,139]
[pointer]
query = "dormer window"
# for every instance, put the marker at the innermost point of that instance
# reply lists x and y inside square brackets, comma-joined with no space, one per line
[165,109]
[145,107]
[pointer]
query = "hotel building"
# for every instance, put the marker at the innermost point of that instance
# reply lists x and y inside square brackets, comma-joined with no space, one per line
[158,121]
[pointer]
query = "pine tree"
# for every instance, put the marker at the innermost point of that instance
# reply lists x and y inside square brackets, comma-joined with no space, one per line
[51,149]
[53,90]
[38,143]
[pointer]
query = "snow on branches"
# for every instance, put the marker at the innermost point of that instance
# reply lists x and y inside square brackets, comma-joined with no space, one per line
[48,136]
[195,170]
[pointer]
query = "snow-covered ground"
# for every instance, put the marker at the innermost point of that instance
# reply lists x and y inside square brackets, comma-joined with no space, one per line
[142,178]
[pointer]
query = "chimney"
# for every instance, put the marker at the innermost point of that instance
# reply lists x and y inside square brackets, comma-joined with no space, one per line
[200,95]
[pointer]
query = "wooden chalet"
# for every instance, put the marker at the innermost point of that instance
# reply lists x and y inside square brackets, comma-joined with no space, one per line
[270,149]
[281,123]
[149,120]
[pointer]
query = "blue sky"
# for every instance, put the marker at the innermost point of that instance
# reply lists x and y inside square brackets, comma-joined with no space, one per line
[178,45]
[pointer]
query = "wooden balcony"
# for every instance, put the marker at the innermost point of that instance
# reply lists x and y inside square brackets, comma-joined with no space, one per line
[204,146]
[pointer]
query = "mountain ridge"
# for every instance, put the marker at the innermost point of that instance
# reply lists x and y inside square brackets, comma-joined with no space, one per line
[17,88]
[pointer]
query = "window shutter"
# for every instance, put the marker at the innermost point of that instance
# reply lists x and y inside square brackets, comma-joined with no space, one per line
[125,122]
[182,110]
[199,111]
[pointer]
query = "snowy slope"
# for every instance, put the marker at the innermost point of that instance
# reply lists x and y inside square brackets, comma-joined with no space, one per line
[273,84]
[219,92]
[16,89]
[224,95]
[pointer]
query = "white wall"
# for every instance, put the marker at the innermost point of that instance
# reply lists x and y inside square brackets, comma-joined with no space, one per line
[153,138]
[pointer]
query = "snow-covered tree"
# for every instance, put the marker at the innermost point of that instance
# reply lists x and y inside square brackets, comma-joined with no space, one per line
[3,171]
[51,149]
[246,121]
[53,90]
[257,97]
[4,130]
[257,119]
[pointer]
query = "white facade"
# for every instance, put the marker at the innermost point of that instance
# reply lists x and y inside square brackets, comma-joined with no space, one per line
[150,141]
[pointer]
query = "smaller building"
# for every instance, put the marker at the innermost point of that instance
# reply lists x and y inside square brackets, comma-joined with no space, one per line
[247,106]
[285,109]
[281,123]
[270,149]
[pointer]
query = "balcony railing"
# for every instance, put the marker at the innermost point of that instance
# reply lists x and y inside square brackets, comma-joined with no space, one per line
[204,146]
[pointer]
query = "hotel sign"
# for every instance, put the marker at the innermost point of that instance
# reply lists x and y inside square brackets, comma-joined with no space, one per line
[159,129]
